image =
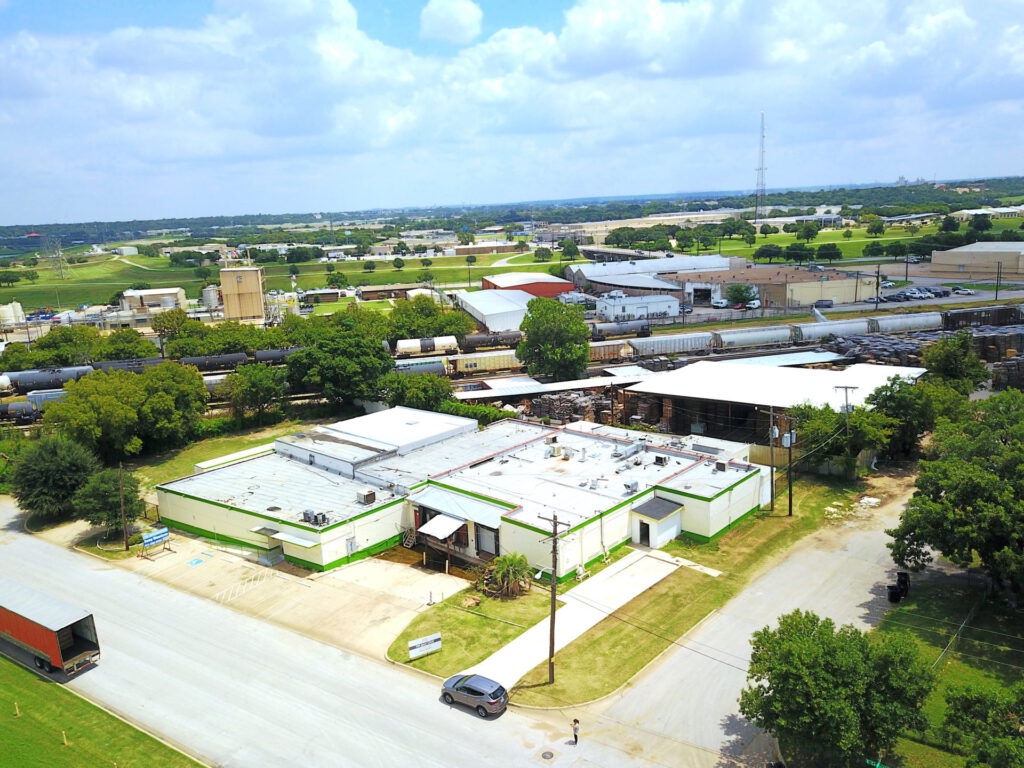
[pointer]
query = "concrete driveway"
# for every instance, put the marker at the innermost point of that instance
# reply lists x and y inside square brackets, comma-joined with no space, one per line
[692,692]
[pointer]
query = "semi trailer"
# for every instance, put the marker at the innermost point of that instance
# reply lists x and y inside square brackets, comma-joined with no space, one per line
[60,637]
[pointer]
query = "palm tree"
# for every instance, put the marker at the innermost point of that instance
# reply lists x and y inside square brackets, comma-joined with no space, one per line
[512,573]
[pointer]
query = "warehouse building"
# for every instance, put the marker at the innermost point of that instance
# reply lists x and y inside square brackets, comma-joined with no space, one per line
[598,272]
[533,283]
[340,492]
[983,258]
[496,310]
[618,306]
[777,286]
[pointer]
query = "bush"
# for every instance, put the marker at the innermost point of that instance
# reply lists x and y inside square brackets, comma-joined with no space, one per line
[484,414]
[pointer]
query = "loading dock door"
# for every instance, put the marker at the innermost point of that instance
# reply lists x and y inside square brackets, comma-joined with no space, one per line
[645,533]
[486,540]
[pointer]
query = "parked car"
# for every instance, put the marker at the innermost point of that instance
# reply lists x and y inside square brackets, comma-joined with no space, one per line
[815,268]
[939,292]
[755,304]
[685,309]
[824,303]
[875,299]
[719,303]
[888,284]
[897,297]
[739,306]
[482,694]
[913,260]
[961,291]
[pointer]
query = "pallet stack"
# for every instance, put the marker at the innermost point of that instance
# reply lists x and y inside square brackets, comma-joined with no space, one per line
[575,405]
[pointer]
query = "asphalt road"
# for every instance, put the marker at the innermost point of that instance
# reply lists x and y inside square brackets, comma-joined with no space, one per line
[839,572]
[236,691]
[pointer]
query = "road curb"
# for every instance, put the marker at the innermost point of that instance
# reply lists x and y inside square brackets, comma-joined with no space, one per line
[626,684]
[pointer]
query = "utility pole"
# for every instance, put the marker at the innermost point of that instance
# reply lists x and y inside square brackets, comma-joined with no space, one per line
[846,408]
[120,492]
[878,280]
[554,593]
[999,277]
[773,433]
[788,438]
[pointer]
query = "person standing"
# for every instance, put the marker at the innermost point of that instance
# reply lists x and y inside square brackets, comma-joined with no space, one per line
[575,732]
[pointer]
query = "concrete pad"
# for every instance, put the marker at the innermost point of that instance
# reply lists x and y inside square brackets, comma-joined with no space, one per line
[584,607]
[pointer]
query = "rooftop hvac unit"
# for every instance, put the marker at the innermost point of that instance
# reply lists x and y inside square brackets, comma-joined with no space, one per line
[556,451]
[366,496]
[720,466]
[632,486]
[660,460]
[308,515]
[551,439]
[321,518]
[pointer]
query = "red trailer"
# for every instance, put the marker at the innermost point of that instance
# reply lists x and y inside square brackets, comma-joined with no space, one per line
[58,635]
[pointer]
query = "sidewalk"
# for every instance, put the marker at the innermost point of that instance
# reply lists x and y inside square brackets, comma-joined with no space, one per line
[584,606]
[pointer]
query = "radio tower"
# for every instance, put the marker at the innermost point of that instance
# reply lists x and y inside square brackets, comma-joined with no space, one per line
[759,194]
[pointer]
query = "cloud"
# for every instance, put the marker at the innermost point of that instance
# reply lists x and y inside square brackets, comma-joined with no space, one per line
[455,21]
[276,106]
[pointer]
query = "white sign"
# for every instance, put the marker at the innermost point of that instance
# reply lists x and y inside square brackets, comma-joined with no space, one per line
[424,645]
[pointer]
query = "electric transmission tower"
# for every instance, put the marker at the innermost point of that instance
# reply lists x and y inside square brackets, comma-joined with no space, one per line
[759,194]
[55,253]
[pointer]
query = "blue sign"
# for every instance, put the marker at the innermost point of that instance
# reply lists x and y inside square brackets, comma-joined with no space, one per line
[155,537]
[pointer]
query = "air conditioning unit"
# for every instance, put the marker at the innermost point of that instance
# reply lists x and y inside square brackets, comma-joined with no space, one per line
[308,516]
[556,451]
[660,460]
[551,439]
[721,466]
[632,486]
[366,496]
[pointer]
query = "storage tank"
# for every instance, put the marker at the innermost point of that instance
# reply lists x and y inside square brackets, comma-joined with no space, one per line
[275,356]
[422,365]
[625,328]
[672,344]
[920,321]
[211,297]
[740,338]
[407,347]
[136,365]
[216,362]
[815,331]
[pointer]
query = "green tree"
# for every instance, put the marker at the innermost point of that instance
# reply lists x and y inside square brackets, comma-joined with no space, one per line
[425,391]
[254,389]
[512,574]
[968,501]
[202,272]
[954,361]
[340,368]
[830,695]
[175,400]
[397,262]
[401,247]
[542,254]
[471,259]
[569,249]
[739,293]
[798,252]
[841,437]
[897,250]
[986,725]
[521,246]
[369,266]
[768,252]
[99,500]
[330,268]
[768,229]
[31,275]
[911,410]
[17,357]
[426,263]
[684,239]
[749,238]
[847,233]
[876,228]
[124,344]
[913,229]
[830,252]
[66,345]
[294,270]
[48,473]
[981,222]
[556,340]
[873,250]
[170,324]
[465,237]
[949,224]
[807,231]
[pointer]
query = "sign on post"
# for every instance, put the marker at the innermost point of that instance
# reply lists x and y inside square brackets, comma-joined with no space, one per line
[151,539]
[424,645]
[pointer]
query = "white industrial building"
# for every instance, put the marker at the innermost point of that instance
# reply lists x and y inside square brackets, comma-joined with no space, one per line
[496,310]
[336,493]
[593,273]
[150,299]
[618,306]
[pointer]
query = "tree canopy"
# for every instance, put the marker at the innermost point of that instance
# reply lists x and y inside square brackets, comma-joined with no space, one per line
[99,499]
[556,342]
[740,293]
[340,368]
[254,389]
[954,361]
[832,695]
[986,725]
[838,436]
[910,411]
[48,473]
[415,390]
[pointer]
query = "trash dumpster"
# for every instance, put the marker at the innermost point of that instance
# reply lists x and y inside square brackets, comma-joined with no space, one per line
[894,593]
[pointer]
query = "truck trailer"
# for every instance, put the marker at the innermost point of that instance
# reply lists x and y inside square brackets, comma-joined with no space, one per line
[59,636]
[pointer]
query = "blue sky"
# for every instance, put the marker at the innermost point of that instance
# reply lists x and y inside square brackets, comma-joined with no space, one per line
[111,109]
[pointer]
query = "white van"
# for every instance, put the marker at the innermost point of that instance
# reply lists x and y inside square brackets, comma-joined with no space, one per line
[719,303]
[755,304]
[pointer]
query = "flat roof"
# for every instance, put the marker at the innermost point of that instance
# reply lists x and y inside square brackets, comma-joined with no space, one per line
[812,357]
[495,301]
[230,458]
[989,245]
[280,488]
[47,611]
[779,387]
[509,279]
[497,388]
[643,266]
[635,281]
[458,505]
[400,427]
[326,442]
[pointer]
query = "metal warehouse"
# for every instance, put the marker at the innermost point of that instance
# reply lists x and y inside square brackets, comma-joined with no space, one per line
[496,310]
[340,492]
[534,283]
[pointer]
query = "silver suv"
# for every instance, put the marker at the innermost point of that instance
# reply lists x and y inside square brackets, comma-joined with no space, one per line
[484,695]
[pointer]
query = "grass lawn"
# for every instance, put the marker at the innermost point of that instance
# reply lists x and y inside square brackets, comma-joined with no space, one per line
[95,737]
[989,652]
[467,638]
[621,645]
[179,462]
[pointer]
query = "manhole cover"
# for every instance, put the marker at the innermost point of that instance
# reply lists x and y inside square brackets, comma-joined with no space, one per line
[547,755]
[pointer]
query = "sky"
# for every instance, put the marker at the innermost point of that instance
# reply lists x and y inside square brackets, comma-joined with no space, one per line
[134,109]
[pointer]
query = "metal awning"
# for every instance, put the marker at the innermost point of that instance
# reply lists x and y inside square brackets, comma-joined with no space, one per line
[440,526]
[459,505]
[657,509]
[287,537]
[262,530]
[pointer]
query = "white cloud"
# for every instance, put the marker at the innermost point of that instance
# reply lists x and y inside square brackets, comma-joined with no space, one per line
[292,106]
[456,21]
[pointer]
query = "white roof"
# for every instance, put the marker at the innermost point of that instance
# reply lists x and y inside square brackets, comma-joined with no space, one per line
[492,302]
[638,281]
[150,291]
[458,505]
[652,266]
[512,279]
[990,245]
[403,428]
[778,387]
[47,611]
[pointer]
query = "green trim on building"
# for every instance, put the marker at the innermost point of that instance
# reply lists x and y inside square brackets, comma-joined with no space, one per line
[373,549]
[209,534]
[730,526]
[524,525]
[498,502]
[264,452]
[572,573]
[749,476]
[608,511]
